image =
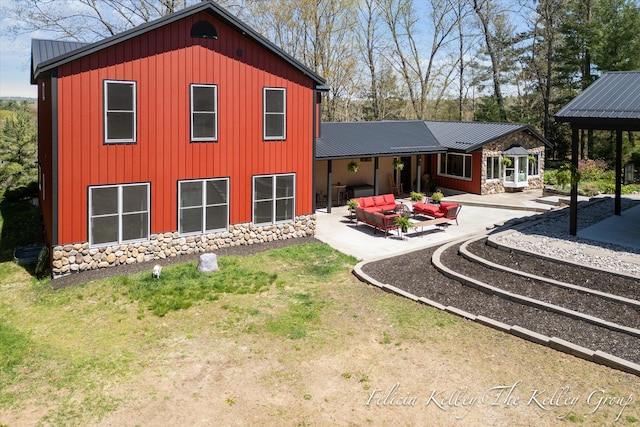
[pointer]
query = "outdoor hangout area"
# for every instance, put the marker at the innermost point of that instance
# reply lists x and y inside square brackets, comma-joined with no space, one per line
[384,214]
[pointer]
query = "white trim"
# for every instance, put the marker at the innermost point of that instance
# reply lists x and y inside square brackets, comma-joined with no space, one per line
[283,113]
[499,174]
[461,178]
[106,111]
[214,112]
[203,206]
[119,213]
[273,199]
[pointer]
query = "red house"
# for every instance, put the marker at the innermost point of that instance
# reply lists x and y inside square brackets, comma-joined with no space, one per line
[182,135]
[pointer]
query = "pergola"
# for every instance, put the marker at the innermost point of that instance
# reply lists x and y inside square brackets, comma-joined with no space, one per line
[611,103]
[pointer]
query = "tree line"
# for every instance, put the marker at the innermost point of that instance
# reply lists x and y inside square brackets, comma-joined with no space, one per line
[483,60]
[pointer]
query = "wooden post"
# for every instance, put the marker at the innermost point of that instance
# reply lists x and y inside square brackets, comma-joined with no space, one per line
[375,176]
[329,189]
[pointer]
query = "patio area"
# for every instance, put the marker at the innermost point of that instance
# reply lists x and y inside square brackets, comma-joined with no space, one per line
[340,231]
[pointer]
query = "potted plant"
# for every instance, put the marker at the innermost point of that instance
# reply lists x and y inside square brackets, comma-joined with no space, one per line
[352,166]
[352,205]
[506,162]
[403,223]
[416,197]
[398,164]
[437,196]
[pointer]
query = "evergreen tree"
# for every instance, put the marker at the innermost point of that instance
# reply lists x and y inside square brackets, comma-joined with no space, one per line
[18,144]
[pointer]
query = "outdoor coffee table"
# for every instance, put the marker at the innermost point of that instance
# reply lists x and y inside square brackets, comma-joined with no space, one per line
[438,222]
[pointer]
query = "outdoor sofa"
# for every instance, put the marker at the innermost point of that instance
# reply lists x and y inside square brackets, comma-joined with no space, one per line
[378,212]
[443,210]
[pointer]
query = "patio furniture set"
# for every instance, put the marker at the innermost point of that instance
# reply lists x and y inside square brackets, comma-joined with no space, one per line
[381,212]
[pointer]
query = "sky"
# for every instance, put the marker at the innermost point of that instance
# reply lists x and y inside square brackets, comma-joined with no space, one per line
[15,60]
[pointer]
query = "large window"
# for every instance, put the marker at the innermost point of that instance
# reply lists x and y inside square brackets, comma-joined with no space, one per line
[118,213]
[493,167]
[119,111]
[275,113]
[454,164]
[204,206]
[204,113]
[273,198]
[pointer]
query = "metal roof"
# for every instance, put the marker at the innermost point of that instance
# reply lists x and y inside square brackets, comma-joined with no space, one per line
[615,95]
[45,50]
[363,139]
[406,137]
[469,136]
[515,150]
[46,63]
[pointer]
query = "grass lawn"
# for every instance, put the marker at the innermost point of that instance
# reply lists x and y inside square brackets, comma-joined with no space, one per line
[286,337]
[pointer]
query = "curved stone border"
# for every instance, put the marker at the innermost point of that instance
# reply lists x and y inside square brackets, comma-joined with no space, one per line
[465,253]
[552,342]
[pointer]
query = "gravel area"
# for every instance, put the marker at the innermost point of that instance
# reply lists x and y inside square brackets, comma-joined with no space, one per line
[551,238]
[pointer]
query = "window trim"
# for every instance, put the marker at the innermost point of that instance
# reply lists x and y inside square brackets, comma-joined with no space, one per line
[204,206]
[120,241]
[273,198]
[493,170]
[283,113]
[462,178]
[106,110]
[192,113]
[537,163]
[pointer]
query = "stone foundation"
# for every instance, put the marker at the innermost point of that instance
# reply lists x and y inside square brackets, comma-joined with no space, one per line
[81,257]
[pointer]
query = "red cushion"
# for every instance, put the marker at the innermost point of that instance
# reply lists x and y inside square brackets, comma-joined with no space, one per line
[378,200]
[366,202]
[445,206]
[426,209]
[389,199]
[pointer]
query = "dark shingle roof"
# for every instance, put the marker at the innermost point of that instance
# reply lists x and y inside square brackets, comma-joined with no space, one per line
[44,64]
[615,95]
[363,139]
[469,136]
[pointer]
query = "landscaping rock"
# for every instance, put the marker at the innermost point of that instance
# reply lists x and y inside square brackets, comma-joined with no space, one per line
[208,263]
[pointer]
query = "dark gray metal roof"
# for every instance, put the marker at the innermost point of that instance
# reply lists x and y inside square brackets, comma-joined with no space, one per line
[364,139]
[45,50]
[44,64]
[469,136]
[516,150]
[614,96]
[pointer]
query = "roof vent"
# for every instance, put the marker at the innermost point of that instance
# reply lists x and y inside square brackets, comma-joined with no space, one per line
[204,30]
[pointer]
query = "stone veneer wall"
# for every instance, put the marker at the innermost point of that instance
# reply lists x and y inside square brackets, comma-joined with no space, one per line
[81,257]
[496,148]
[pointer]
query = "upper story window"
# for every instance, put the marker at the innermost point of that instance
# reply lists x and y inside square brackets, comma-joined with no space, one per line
[275,113]
[204,113]
[119,111]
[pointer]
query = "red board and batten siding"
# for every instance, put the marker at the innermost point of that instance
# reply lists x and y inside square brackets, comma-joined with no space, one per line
[468,186]
[164,62]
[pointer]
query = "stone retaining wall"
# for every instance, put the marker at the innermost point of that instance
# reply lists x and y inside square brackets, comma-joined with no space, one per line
[81,257]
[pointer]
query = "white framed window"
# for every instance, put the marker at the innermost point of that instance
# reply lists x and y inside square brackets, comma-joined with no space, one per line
[534,164]
[204,112]
[119,111]
[274,113]
[493,168]
[273,198]
[118,213]
[455,164]
[203,205]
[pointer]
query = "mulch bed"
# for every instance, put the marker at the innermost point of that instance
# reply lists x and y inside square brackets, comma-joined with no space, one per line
[414,273]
